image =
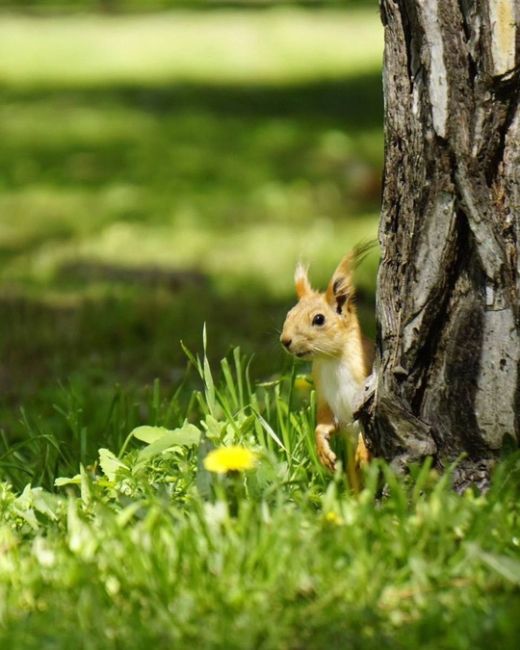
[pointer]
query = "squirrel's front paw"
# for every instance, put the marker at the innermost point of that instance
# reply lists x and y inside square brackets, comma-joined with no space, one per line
[325,454]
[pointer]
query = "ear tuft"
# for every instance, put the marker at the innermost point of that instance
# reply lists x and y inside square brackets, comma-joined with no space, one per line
[301,281]
[341,289]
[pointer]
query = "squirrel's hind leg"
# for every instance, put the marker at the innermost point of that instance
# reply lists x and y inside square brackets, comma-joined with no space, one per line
[357,459]
[362,456]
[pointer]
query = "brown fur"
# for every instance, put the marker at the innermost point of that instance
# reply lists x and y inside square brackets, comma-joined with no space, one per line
[336,346]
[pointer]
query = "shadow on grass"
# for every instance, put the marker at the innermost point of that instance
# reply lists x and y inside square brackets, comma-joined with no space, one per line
[131,333]
[351,102]
[133,328]
[185,142]
[145,276]
[66,363]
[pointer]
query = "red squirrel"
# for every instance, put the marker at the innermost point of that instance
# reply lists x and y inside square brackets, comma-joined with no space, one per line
[324,328]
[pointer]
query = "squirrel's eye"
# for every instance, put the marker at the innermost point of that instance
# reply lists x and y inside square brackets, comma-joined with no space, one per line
[319,319]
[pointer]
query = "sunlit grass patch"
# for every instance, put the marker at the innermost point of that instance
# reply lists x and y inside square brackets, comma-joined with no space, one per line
[42,213]
[283,46]
[263,255]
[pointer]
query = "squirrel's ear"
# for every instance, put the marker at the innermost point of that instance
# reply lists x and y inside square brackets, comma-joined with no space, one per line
[301,281]
[341,289]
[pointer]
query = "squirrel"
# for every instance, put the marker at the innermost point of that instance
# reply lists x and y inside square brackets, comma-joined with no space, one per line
[324,328]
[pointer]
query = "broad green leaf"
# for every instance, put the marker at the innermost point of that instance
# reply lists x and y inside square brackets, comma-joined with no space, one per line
[28,516]
[187,436]
[149,434]
[247,424]
[63,480]
[214,428]
[109,463]
[44,503]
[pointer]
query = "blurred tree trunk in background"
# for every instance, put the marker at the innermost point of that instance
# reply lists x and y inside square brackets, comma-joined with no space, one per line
[447,377]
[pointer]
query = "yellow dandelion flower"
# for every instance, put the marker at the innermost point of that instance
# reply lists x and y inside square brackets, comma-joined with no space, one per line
[333,518]
[230,459]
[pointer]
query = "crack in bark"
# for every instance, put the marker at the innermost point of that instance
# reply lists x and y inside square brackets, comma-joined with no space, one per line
[432,341]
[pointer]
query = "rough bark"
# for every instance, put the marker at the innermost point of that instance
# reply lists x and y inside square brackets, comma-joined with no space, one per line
[446,377]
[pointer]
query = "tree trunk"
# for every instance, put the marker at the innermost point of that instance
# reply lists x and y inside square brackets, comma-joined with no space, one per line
[446,378]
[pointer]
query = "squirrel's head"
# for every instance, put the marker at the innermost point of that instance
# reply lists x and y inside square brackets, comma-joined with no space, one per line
[318,324]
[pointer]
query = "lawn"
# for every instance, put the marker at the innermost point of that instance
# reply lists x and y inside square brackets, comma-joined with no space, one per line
[160,177]
[159,172]
[146,546]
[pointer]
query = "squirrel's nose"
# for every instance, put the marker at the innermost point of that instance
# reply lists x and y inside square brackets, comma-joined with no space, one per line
[287,343]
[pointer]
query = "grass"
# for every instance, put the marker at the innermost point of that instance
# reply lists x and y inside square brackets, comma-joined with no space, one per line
[149,188]
[148,547]
[135,207]
[281,46]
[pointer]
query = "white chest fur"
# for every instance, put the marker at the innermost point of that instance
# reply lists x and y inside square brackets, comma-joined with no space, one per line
[337,387]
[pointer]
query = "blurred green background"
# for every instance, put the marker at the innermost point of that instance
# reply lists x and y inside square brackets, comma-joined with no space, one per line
[165,169]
